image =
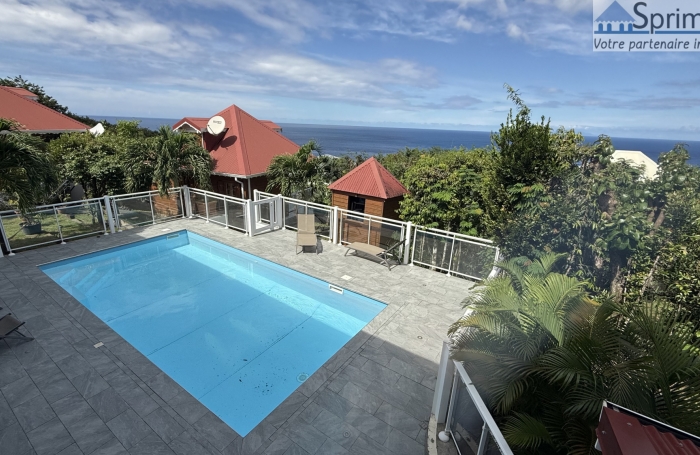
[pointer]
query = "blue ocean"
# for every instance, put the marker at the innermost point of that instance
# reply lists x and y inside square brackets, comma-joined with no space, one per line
[337,140]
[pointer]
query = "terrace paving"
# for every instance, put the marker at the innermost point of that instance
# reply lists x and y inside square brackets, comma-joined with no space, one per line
[60,394]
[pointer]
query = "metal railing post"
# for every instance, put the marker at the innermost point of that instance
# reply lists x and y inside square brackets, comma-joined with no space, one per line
[5,239]
[452,252]
[249,216]
[334,226]
[206,207]
[413,247]
[58,224]
[256,195]
[102,215]
[483,442]
[225,214]
[115,209]
[153,213]
[407,243]
[108,209]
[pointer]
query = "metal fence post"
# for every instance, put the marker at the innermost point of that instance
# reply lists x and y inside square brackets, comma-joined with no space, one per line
[206,206]
[225,213]
[407,243]
[58,224]
[153,213]
[334,226]
[5,239]
[483,442]
[452,252]
[413,248]
[110,219]
[443,384]
[256,195]
[249,218]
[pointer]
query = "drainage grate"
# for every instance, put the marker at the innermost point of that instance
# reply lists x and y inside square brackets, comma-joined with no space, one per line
[336,289]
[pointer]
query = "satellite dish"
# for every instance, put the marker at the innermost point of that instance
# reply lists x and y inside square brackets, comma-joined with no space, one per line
[216,125]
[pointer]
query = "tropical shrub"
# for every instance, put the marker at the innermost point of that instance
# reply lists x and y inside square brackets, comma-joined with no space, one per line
[545,356]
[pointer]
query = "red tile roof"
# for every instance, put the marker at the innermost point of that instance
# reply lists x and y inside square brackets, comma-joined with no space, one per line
[272,125]
[623,432]
[198,123]
[23,92]
[34,117]
[370,179]
[247,146]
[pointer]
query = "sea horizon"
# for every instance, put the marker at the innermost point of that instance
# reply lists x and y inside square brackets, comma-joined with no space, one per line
[338,140]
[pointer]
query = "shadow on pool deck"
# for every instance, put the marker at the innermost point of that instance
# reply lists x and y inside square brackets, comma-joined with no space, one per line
[60,394]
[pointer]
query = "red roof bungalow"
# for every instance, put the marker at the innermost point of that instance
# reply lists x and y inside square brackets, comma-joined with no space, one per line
[242,152]
[20,105]
[625,432]
[369,188]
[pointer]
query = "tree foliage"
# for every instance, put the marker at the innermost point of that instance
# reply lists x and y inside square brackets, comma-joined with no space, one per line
[545,356]
[307,173]
[26,171]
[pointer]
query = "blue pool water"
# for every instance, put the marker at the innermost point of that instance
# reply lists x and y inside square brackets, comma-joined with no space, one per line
[236,331]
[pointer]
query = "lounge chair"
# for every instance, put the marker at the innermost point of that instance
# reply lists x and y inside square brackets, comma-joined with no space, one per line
[306,233]
[377,251]
[10,324]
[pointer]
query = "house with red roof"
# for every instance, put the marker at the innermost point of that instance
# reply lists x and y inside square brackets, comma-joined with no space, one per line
[241,152]
[370,189]
[20,105]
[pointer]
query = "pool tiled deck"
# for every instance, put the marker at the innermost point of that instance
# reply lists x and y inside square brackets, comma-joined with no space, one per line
[60,394]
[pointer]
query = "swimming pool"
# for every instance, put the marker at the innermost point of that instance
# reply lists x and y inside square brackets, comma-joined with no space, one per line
[236,331]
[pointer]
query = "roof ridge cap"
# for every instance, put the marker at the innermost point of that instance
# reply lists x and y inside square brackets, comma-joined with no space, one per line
[377,176]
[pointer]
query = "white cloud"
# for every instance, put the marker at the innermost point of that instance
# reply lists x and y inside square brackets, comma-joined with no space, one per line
[514,31]
[86,24]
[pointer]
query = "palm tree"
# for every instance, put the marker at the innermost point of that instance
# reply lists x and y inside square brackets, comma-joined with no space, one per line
[26,171]
[294,175]
[168,159]
[545,356]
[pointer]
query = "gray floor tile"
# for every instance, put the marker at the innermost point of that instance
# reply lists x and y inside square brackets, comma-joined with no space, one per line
[73,366]
[11,371]
[333,403]
[89,384]
[33,413]
[13,441]
[164,425]
[108,404]
[295,450]
[165,387]
[306,436]
[366,446]
[20,391]
[360,397]
[399,419]
[111,447]
[55,387]
[129,428]
[215,430]
[279,446]
[336,429]
[151,445]
[400,443]
[7,417]
[185,444]
[72,449]
[376,429]
[188,407]
[330,447]
[50,438]
[90,432]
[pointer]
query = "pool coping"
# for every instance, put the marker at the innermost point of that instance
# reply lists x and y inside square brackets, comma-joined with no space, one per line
[376,389]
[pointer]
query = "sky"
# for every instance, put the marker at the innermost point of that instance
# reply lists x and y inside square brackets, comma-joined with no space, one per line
[407,63]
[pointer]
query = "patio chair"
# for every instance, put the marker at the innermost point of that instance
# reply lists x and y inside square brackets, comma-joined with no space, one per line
[9,325]
[306,233]
[376,251]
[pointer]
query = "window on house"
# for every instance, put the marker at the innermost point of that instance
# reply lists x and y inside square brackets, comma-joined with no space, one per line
[356,204]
